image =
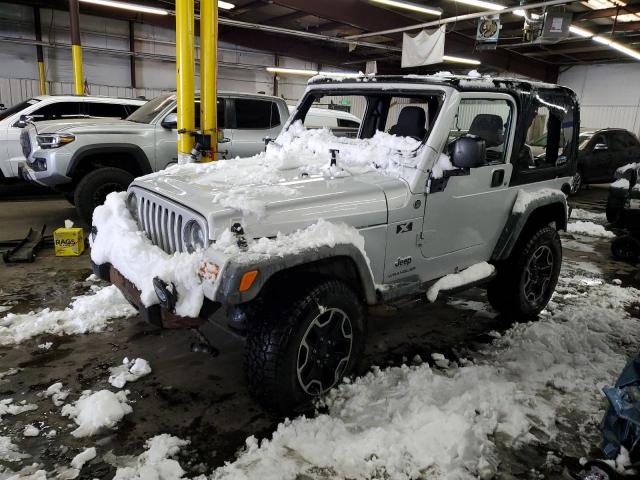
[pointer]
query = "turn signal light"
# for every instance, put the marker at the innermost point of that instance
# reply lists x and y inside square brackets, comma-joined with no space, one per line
[247,280]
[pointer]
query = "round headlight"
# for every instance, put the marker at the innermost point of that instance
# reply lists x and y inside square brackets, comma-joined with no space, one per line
[193,236]
[132,205]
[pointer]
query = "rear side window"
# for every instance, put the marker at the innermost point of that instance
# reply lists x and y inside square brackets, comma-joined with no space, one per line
[256,114]
[629,140]
[58,111]
[107,110]
[344,123]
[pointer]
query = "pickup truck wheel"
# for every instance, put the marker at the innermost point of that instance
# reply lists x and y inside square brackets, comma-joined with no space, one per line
[297,353]
[94,187]
[526,281]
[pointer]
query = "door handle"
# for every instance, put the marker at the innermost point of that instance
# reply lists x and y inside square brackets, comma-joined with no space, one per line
[497,178]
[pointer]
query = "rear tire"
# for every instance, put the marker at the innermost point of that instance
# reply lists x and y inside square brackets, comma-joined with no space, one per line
[525,282]
[94,187]
[298,352]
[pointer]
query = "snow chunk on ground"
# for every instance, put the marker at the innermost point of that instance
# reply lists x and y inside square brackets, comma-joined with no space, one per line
[580,214]
[30,431]
[83,457]
[589,228]
[7,407]
[45,346]
[87,313]
[95,411]
[57,393]
[156,462]
[10,452]
[129,371]
[8,373]
[472,274]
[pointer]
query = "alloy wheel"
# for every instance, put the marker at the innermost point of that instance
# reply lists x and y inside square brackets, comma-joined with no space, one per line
[538,274]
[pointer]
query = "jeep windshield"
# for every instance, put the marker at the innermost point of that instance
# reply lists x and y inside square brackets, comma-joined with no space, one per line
[150,110]
[404,115]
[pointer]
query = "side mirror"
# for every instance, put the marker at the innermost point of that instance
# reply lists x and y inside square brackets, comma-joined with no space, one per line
[468,151]
[2,107]
[600,147]
[170,122]
[23,121]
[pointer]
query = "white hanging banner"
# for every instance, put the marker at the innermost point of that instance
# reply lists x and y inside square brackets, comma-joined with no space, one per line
[426,48]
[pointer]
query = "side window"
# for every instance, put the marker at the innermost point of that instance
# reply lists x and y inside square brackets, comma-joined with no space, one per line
[549,136]
[105,110]
[617,142]
[57,111]
[488,119]
[344,123]
[256,114]
[598,140]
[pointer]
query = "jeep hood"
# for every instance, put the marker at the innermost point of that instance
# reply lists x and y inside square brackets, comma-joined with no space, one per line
[90,125]
[293,202]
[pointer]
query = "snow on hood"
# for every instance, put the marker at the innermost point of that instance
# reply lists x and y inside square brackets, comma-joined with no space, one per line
[120,243]
[298,158]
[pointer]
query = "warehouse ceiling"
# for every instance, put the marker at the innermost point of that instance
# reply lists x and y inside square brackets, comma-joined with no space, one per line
[610,19]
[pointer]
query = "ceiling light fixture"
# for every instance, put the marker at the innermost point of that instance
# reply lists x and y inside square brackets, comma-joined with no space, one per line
[226,5]
[581,32]
[469,61]
[292,71]
[482,4]
[128,6]
[414,7]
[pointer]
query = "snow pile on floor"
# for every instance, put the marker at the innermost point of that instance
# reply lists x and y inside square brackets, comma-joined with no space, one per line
[580,214]
[95,411]
[8,373]
[9,452]
[129,371]
[7,407]
[57,393]
[87,313]
[156,462]
[530,385]
[589,228]
[474,273]
[621,183]
[30,431]
[120,243]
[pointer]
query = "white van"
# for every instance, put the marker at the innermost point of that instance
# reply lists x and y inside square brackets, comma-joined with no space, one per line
[53,107]
[342,124]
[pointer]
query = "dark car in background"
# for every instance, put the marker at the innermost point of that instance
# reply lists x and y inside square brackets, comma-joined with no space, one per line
[602,152]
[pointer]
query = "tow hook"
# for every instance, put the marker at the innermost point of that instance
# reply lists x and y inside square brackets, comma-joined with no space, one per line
[203,345]
[167,295]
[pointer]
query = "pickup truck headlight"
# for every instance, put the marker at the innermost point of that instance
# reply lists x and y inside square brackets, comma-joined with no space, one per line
[132,206]
[193,236]
[54,140]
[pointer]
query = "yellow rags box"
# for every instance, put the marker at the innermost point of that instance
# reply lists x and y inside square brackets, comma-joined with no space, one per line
[68,242]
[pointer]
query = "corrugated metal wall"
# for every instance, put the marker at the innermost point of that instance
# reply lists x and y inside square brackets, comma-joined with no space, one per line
[609,95]
[15,90]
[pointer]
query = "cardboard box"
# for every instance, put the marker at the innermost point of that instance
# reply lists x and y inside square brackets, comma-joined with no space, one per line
[68,242]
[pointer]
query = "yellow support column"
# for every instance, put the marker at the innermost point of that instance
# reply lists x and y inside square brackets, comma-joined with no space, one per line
[76,49]
[208,74]
[39,53]
[185,77]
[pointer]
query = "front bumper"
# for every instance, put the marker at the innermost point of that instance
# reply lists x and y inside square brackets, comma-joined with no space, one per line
[155,314]
[45,178]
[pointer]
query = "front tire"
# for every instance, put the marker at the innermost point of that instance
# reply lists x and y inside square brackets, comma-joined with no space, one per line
[94,187]
[525,282]
[298,352]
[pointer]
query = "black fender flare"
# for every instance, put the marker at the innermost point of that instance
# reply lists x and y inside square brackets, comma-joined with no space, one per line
[551,207]
[307,260]
[142,162]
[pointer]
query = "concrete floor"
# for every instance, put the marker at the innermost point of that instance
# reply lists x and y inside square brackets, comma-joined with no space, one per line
[191,395]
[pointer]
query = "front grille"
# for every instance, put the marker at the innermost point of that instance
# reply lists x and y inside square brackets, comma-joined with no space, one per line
[163,221]
[25,143]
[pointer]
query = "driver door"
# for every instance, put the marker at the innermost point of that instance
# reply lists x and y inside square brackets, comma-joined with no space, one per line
[466,210]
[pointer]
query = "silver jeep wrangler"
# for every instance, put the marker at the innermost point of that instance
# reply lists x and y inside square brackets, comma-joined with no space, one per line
[440,184]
